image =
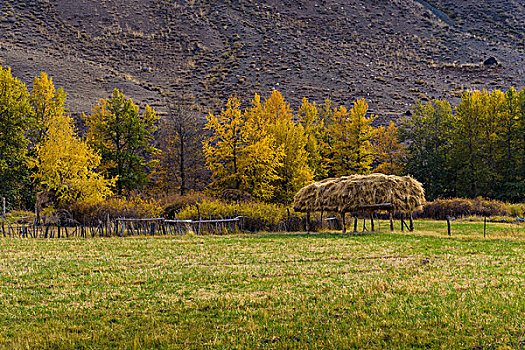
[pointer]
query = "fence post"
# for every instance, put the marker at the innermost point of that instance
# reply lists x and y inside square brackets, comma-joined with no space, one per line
[355,223]
[308,222]
[448,225]
[391,222]
[344,221]
[199,223]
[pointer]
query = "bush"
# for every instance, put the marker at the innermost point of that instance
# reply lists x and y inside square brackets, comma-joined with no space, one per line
[462,207]
[174,204]
[256,216]
[115,207]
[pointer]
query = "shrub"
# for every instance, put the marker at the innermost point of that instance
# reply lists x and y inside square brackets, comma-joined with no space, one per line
[256,216]
[116,207]
[174,204]
[462,207]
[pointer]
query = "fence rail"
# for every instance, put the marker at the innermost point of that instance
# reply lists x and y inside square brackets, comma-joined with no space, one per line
[120,227]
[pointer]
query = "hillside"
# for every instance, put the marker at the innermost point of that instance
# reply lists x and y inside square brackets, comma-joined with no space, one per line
[389,52]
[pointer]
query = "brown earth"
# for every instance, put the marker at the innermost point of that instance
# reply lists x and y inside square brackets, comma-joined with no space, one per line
[390,52]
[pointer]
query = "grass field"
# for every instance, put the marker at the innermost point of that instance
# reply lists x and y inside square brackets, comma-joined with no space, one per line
[382,290]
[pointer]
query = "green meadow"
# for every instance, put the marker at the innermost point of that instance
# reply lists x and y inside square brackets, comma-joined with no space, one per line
[419,289]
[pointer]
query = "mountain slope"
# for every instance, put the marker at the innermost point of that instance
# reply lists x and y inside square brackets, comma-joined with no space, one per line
[389,52]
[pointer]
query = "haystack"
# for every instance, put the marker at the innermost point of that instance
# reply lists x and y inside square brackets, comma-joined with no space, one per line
[361,192]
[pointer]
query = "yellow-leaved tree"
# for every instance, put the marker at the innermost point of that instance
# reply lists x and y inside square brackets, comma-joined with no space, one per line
[291,141]
[311,119]
[261,151]
[260,158]
[67,165]
[222,147]
[389,152]
[48,103]
[352,133]
[64,163]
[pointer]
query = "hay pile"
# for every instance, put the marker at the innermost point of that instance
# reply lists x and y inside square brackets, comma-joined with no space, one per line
[360,192]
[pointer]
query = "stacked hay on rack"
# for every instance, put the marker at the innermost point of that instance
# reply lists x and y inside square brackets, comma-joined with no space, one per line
[361,192]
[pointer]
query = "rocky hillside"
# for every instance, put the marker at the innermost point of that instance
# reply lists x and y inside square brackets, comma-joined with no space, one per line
[390,52]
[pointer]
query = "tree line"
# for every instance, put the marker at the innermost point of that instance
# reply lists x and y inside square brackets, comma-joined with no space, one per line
[267,149]
[475,149]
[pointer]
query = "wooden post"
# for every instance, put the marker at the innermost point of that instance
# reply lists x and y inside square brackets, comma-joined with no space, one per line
[411,228]
[372,221]
[344,221]
[308,222]
[391,221]
[355,223]
[484,226]
[448,225]
[199,223]
[402,221]
[364,223]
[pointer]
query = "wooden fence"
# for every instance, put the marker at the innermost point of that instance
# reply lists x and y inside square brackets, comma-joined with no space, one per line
[120,227]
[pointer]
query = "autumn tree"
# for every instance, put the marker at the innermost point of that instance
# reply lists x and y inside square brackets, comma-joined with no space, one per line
[123,137]
[291,140]
[261,150]
[352,133]
[311,118]
[67,165]
[16,117]
[222,147]
[388,151]
[48,103]
[180,136]
[260,158]
[240,152]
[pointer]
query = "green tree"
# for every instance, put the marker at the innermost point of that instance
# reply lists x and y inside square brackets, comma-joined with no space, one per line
[490,120]
[469,156]
[16,117]
[510,145]
[428,133]
[123,137]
